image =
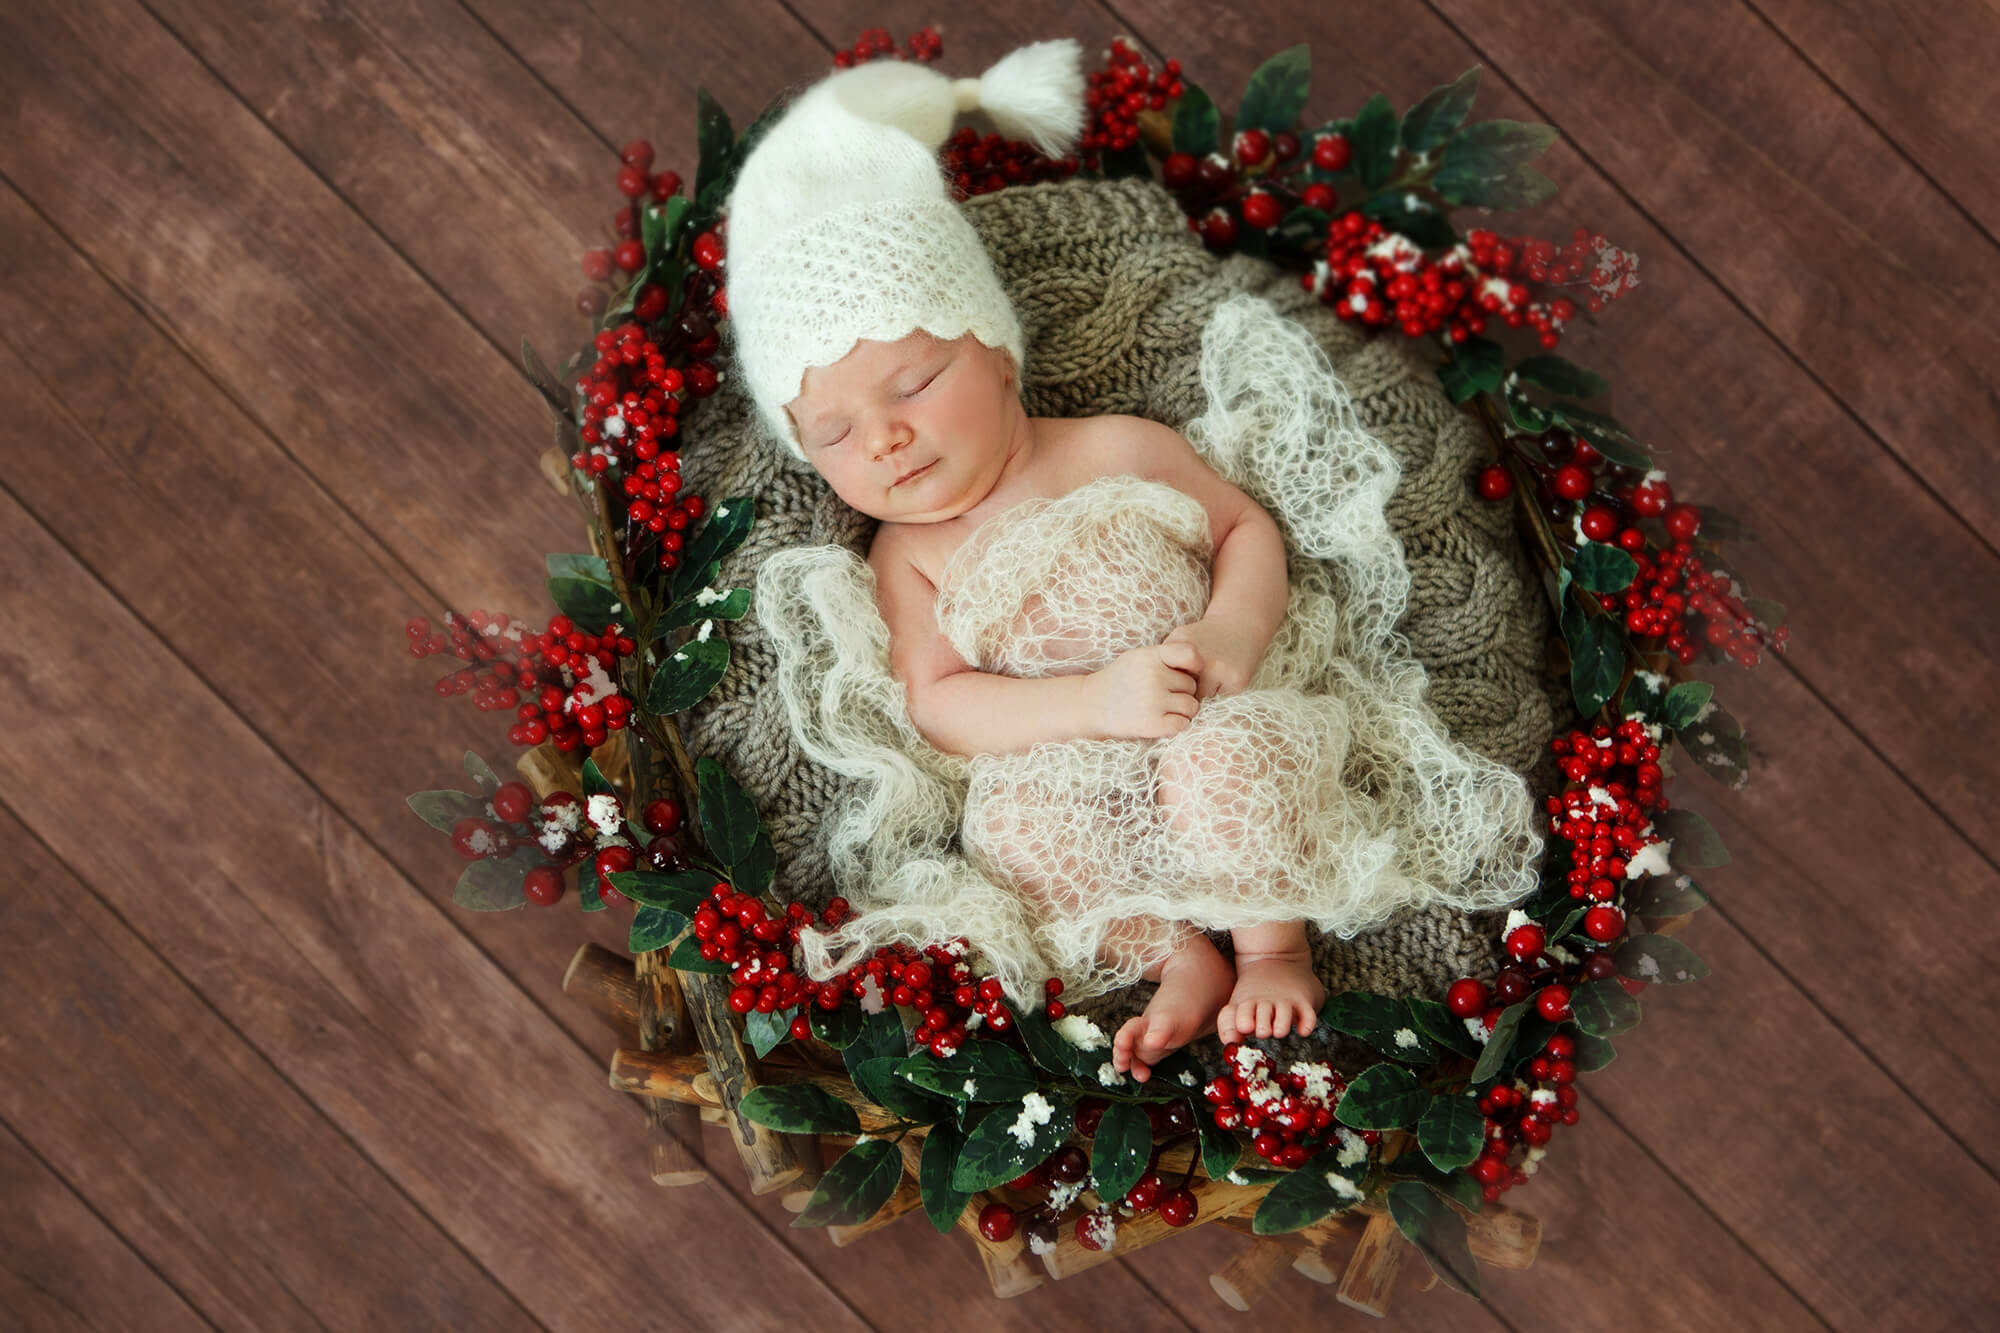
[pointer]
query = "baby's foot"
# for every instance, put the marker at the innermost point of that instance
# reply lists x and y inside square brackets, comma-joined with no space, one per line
[1273,992]
[1192,982]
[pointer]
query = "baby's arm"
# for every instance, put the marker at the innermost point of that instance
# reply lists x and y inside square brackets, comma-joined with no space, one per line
[957,709]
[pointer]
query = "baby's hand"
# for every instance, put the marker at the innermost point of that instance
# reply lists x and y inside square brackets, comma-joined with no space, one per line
[1147,692]
[1228,657]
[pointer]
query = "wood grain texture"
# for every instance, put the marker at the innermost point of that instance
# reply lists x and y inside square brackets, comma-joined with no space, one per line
[63,1269]
[263,279]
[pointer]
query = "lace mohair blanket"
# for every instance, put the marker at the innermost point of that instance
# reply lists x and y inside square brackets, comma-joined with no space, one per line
[1115,295]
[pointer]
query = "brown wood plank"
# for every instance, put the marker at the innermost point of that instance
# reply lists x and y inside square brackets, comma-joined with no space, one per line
[1922,72]
[364,994]
[1839,249]
[289,518]
[210,1165]
[62,1268]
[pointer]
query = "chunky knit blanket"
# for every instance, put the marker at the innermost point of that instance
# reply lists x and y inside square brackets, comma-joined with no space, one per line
[1113,294]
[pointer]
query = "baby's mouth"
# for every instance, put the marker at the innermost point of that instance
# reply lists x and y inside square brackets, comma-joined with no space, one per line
[912,476]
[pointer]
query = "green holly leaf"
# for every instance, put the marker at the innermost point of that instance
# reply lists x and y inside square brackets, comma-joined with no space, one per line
[1719,525]
[493,884]
[1477,366]
[591,605]
[1718,746]
[733,605]
[1442,1026]
[1659,958]
[767,1031]
[943,1202]
[729,824]
[1318,1188]
[1642,698]
[1603,1008]
[1049,1049]
[1596,659]
[855,1187]
[594,781]
[1438,1233]
[687,675]
[1663,896]
[443,809]
[798,1108]
[1013,1138]
[1559,375]
[1196,124]
[1277,92]
[1439,112]
[655,928]
[1452,1131]
[1485,165]
[1696,843]
[1526,415]
[1602,567]
[1605,434]
[576,565]
[589,893]
[1119,1152]
[1499,1042]
[1374,141]
[879,1034]
[714,138]
[481,772]
[682,891]
[1383,1096]
[1411,215]
[1685,700]
[686,957]
[1592,1052]
[836,1027]
[721,532]
[1221,1149]
[1451,1186]
[879,1083]
[1380,1020]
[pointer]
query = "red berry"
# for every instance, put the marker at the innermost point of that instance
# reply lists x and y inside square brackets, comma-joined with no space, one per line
[597,265]
[1331,152]
[474,838]
[1177,1207]
[650,304]
[1553,1003]
[1252,147]
[1285,144]
[1598,523]
[665,186]
[1320,195]
[996,1222]
[544,885]
[638,153]
[1495,483]
[801,1027]
[707,251]
[1683,522]
[1572,482]
[1262,210]
[1525,941]
[513,801]
[1604,923]
[1466,997]
[631,182]
[1218,230]
[663,816]
[1177,172]
[630,256]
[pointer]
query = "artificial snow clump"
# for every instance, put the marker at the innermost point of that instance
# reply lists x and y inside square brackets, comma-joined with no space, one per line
[607,814]
[1035,1110]
[1080,1032]
[1406,1038]
[1649,860]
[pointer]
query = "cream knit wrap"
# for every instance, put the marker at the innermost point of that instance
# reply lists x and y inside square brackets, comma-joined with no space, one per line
[1113,296]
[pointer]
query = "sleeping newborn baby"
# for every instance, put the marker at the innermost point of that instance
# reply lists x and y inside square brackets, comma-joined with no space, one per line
[1070,561]
[1089,623]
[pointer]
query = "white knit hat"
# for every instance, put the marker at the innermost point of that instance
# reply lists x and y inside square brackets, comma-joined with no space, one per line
[841,225]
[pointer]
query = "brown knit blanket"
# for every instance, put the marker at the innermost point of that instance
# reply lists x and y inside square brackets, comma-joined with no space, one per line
[1113,291]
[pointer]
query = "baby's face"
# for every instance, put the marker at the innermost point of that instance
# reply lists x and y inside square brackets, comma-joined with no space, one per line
[887,409]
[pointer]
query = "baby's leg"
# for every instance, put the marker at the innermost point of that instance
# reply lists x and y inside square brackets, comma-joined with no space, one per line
[1216,801]
[1039,845]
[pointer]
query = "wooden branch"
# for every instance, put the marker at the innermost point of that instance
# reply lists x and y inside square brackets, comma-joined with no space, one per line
[547,769]
[675,1155]
[1251,1272]
[603,982]
[1370,1276]
[555,466]
[1214,1199]
[686,1078]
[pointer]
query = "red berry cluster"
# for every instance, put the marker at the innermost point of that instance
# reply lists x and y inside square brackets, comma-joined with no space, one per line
[877,44]
[1603,816]
[981,166]
[474,837]
[628,253]
[1062,1177]
[1288,1115]
[569,678]
[1675,596]
[632,400]
[1516,1115]
[1117,94]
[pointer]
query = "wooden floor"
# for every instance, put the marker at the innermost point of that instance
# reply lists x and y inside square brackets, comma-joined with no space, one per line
[264,278]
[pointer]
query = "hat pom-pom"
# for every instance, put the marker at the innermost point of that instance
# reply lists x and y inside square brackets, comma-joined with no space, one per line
[1036,93]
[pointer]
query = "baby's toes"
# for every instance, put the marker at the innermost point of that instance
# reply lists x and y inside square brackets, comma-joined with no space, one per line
[1263,1018]
[1281,1020]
